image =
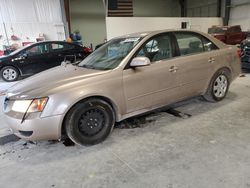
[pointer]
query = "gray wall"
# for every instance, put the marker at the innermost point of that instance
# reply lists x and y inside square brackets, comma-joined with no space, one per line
[171,8]
[202,8]
[88,16]
[240,14]
[156,8]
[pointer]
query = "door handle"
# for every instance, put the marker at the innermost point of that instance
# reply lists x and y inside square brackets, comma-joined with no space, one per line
[173,69]
[211,60]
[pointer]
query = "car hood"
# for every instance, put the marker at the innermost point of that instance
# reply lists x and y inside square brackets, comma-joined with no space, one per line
[51,81]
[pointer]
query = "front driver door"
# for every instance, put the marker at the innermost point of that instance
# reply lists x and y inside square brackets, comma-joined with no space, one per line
[34,59]
[155,85]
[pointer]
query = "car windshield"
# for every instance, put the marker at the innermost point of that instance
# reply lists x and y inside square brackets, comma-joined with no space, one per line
[217,30]
[110,55]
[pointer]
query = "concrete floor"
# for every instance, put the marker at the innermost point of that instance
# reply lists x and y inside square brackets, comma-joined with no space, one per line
[211,149]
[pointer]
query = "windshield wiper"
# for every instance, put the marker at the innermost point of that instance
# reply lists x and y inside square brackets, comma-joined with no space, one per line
[88,66]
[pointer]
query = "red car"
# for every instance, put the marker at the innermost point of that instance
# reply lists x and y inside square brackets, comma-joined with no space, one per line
[228,34]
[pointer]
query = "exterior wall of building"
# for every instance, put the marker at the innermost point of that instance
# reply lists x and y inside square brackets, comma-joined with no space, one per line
[120,26]
[156,8]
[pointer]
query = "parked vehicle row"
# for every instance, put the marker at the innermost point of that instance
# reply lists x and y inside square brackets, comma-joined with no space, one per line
[245,58]
[228,34]
[127,76]
[38,57]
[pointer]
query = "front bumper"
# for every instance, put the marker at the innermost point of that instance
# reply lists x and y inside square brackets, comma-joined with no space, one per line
[47,128]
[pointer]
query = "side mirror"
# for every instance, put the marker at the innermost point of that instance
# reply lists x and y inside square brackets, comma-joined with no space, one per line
[140,62]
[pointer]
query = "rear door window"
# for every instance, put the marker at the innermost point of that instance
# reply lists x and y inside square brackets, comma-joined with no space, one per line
[57,47]
[189,43]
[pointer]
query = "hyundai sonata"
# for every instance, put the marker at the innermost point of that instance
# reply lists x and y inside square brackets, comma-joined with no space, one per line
[127,76]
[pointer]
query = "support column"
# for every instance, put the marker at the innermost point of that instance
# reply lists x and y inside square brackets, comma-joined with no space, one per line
[183,4]
[227,12]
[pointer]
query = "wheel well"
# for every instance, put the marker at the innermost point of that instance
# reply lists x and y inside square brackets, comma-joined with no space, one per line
[227,69]
[220,69]
[20,72]
[110,102]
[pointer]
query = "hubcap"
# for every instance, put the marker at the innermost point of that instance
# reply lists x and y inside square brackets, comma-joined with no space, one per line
[91,122]
[9,74]
[220,86]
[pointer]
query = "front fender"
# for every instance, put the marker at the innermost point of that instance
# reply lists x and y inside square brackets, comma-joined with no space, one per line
[61,103]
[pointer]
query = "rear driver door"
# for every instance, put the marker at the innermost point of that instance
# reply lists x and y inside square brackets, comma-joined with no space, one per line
[198,57]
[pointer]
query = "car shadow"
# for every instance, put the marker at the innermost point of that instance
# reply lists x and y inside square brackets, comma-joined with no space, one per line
[7,139]
[20,150]
[180,110]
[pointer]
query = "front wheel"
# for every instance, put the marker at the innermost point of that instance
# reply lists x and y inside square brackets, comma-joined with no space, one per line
[90,122]
[9,74]
[218,87]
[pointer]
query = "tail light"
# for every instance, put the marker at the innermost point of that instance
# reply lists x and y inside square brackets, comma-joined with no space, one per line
[87,50]
[239,53]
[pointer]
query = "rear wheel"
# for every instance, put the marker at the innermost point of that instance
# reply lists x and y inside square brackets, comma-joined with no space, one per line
[218,87]
[90,122]
[9,74]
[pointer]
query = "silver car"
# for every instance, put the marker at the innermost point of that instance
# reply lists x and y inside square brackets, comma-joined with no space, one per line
[127,76]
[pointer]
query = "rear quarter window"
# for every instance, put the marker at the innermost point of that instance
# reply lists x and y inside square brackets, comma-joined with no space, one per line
[193,43]
[208,45]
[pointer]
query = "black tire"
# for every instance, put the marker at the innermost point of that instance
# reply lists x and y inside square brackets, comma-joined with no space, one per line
[89,122]
[13,74]
[213,95]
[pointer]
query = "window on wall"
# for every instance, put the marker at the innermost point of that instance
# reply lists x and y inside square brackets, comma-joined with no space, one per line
[202,8]
[156,49]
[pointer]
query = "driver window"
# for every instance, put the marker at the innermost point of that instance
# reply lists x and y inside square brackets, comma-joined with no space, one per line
[156,49]
[37,50]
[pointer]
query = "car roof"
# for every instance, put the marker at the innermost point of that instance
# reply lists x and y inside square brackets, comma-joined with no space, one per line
[151,33]
[54,41]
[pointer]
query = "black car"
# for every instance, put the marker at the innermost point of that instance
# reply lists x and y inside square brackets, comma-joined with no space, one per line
[245,57]
[37,57]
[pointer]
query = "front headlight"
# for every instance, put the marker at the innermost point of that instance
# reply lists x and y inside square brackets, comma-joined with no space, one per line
[30,106]
[38,105]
